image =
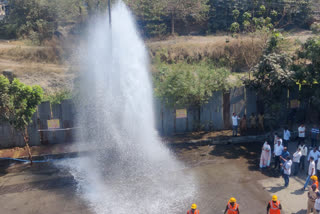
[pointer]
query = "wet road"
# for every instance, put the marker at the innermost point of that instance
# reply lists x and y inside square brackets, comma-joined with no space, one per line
[221,172]
[227,171]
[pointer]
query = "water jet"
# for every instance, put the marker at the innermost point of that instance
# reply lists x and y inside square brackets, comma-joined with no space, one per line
[130,170]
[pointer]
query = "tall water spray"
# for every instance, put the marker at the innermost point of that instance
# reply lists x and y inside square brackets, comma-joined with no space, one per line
[128,170]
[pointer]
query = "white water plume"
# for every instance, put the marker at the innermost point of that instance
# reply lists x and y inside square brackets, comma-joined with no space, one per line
[129,169]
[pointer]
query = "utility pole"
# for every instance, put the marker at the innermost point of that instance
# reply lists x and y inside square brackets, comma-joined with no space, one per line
[109,10]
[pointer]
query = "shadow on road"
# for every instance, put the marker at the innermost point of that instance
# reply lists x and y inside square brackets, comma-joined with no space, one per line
[298,192]
[300,212]
[275,189]
[3,167]
[250,151]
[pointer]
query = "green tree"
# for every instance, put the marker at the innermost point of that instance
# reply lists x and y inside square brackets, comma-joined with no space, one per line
[307,71]
[258,29]
[69,12]
[184,85]
[95,6]
[308,62]
[274,71]
[220,14]
[32,19]
[272,77]
[18,103]
[183,9]
[152,15]
[283,12]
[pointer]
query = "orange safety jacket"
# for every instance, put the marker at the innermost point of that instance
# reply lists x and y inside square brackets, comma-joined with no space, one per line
[274,207]
[316,183]
[233,209]
[195,212]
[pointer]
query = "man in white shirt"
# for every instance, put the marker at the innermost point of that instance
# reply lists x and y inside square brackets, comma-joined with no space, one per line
[304,151]
[311,172]
[317,203]
[278,149]
[301,133]
[235,119]
[286,170]
[296,161]
[278,139]
[315,154]
[286,137]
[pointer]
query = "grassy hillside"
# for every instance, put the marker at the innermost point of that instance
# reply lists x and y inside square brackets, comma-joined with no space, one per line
[47,67]
[35,65]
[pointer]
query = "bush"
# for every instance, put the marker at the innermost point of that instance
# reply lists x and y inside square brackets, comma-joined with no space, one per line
[315,27]
[58,96]
[183,84]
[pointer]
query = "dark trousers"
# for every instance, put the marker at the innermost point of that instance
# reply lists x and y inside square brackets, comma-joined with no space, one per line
[318,173]
[285,143]
[277,162]
[302,162]
[295,168]
[234,130]
[313,142]
[286,179]
[300,140]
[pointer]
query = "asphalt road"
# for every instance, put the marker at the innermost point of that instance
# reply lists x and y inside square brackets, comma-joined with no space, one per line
[221,171]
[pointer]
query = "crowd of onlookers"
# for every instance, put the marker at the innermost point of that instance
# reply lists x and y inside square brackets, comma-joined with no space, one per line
[291,165]
[284,163]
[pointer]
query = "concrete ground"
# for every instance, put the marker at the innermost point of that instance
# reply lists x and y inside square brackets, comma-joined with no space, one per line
[292,198]
[222,171]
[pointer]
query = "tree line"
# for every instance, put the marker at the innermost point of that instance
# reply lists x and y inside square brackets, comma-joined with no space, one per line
[159,17]
[41,19]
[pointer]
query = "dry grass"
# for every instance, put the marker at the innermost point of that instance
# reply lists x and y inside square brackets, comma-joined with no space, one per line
[50,77]
[226,51]
[31,54]
[36,65]
[239,53]
[44,65]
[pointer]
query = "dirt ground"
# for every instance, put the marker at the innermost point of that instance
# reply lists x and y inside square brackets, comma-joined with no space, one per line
[222,171]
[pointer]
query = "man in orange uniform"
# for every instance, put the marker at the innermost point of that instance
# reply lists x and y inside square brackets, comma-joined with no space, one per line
[232,207]
[274,206]
[314,178]
[193,210]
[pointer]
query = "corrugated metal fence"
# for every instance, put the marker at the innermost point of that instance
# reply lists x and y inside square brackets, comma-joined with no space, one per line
[215,115]
[38,129]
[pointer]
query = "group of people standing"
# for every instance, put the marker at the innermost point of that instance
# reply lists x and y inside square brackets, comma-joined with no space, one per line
[255,123]
[282,157]
[284,163]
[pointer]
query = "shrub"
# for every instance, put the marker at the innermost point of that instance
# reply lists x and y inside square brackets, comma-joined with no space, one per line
[58,96]
[315,27]
[183,84]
